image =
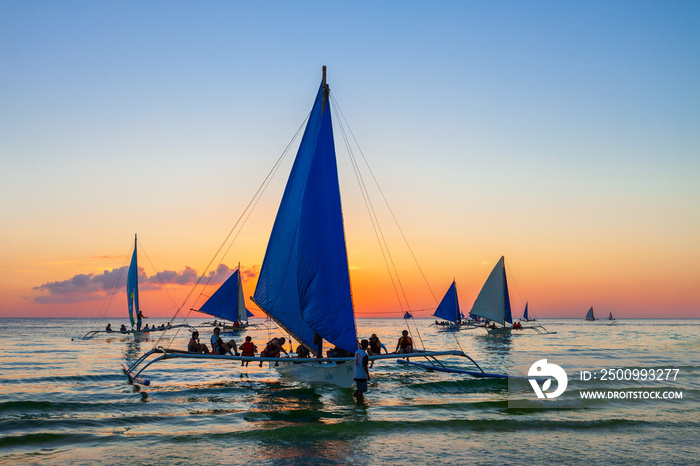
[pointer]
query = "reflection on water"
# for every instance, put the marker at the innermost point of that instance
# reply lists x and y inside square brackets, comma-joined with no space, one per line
[69,402]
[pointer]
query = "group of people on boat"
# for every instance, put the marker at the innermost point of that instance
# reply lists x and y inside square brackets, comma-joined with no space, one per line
[123,328]
[275,347]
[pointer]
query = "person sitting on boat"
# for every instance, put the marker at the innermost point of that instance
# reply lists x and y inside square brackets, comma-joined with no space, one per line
[194,346]
[123,329]
[145,329]
[405,344]
[109,328]
[248,348]
[375,347]
[218,346]
[361,369]
[273,348]
[302,351]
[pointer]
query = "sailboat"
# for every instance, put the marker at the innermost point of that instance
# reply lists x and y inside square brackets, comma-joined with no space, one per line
[526,316]
[493,301]
[610,317]
[448,309]
[589,314]
[304,281]
[132,298]
[228,303]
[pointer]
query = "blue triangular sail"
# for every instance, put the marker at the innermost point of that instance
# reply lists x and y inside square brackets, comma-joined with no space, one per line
[407,315]
[304,286]
[525,314]
[323,277]
[449,306]
[225,301]
[132,286]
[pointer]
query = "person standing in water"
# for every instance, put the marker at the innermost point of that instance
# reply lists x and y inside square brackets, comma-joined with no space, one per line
[361,369]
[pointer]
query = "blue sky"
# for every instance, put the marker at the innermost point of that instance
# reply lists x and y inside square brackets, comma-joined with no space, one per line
[562,134]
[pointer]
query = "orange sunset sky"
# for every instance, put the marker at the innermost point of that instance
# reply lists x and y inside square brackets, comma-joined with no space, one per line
[561,136]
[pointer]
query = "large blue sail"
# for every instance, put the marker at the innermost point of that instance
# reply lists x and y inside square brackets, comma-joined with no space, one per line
[225,301]
[449,306]
[132,286]
[290,287]
[323,277]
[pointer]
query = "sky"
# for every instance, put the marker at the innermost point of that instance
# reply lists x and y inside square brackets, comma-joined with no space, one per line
[563,136]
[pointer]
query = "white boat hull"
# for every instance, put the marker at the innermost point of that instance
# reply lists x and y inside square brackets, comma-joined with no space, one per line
[340,374]
[499,332]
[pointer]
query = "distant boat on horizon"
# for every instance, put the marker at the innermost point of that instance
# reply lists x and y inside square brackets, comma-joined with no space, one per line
[493,301]
[589,314]
[526,315]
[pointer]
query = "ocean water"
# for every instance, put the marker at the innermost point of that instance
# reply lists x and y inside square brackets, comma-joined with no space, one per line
[68,402]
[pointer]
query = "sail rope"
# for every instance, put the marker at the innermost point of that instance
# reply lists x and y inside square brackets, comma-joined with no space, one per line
[107,304]
[513,280]
[379,234]
[386,202]
[162,283]
[237,227]
[378,231]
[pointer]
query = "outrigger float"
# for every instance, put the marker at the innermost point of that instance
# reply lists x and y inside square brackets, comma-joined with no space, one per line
[335,371]
[136,333]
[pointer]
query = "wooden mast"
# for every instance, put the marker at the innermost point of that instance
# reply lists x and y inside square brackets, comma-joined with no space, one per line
[325,89]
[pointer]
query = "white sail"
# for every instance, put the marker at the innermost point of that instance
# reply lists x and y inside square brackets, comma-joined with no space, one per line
[493,302]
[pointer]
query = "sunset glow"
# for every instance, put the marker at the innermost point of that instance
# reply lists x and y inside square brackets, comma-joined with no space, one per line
[563,137]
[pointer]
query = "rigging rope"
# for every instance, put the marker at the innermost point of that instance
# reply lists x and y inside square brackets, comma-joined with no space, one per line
[376,182]
[242,219]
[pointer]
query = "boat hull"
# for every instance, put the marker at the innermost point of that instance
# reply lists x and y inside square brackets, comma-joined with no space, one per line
[499,332]
[339,374]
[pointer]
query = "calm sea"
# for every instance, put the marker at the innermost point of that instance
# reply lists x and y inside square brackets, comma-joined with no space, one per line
[68,402]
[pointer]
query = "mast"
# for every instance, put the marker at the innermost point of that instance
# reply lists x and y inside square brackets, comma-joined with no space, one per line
[458,315]
[325,91]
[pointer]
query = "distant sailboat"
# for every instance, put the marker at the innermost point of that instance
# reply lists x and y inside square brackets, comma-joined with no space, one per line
[132,289]
[448,309]
[132,299]
[526,315]
[589,314]
[493,301]
[610,317]
[228,303]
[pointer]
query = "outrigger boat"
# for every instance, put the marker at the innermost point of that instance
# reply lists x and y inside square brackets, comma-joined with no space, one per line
[132,296]
[493,304]
[228,303]
[304,282]
[526,315]
[589,315]
[448,309]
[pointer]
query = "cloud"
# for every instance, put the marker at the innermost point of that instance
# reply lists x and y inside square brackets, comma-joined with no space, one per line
[91,287]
